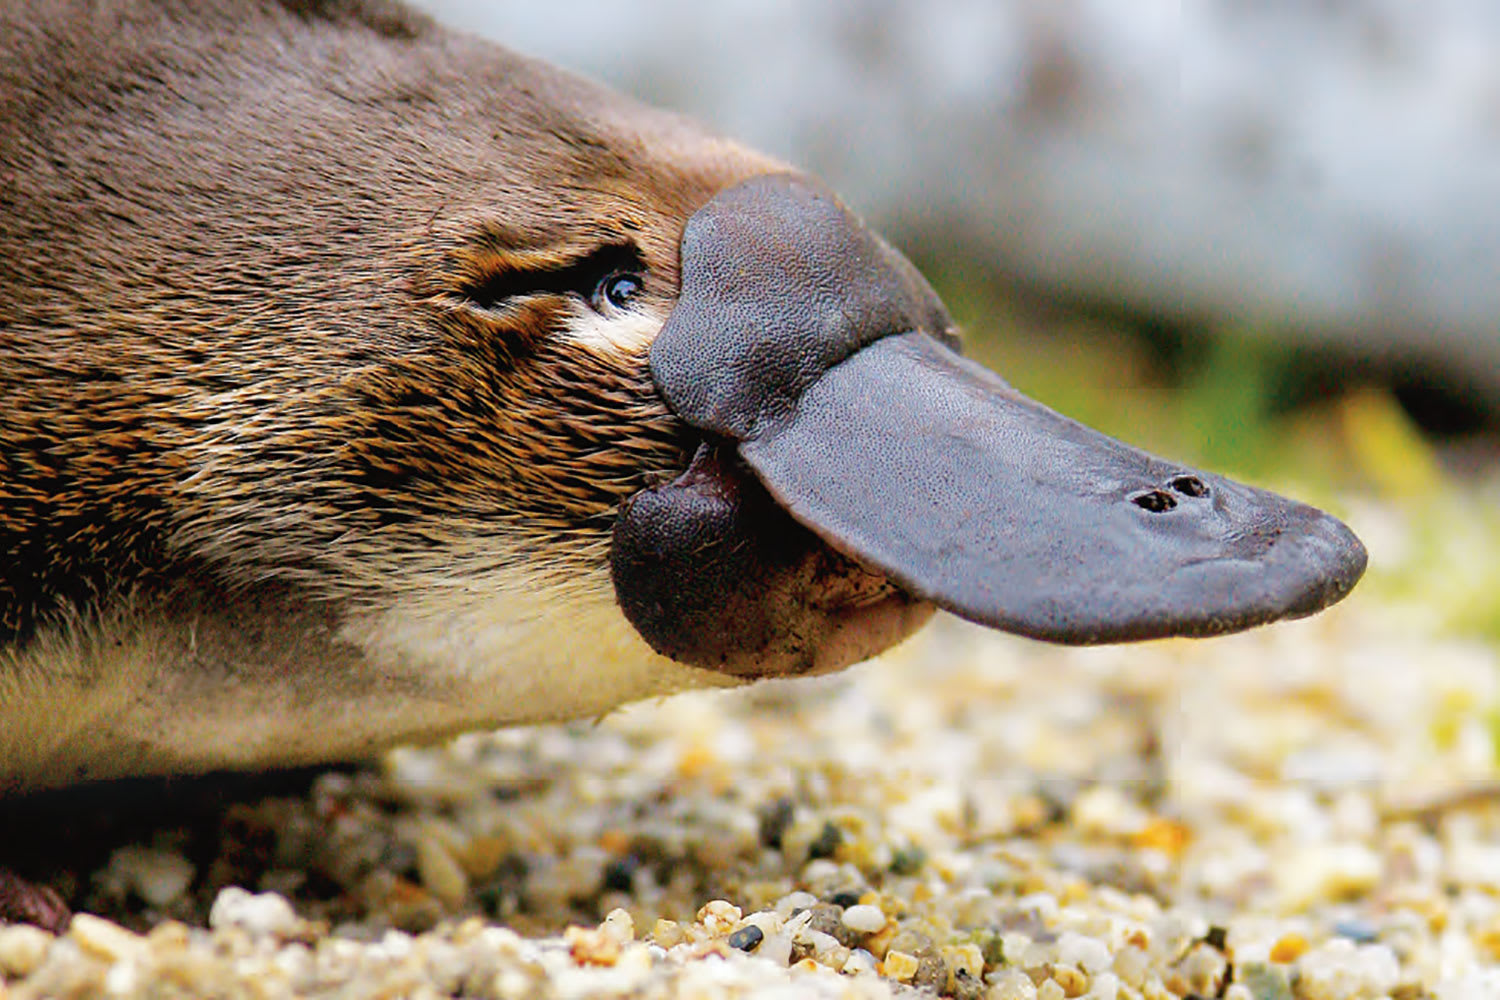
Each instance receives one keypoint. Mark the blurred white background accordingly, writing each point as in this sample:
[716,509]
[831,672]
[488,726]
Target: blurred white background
[1327,168]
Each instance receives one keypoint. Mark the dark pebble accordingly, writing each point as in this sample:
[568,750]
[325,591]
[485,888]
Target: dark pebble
[747,938]
[908,861]
[773,818]
[966,987]
[845,899]
[619,874]
[828,841]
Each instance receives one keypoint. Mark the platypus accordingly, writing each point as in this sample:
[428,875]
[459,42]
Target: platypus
[363,382]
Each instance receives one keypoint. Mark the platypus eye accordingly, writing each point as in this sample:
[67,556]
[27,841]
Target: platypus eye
[607,277]
[616,290]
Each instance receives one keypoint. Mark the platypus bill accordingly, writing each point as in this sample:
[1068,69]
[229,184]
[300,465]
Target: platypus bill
[362,382]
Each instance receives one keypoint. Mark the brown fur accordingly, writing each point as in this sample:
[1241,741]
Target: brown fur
[247,330]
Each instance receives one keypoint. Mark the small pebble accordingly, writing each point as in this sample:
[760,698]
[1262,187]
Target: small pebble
[158,877]
[1104,986]
[864,918]
[1201,971]
[900,966]
[1330,871]
[966,958]
[1288,948]
[263,914]
[22,948]
[747,938]
[1011,983]
[592,945]
[719,916]
[440,872]
[776,948]
[1266,982]
[619,925]
[1051,990]
[794,901]
[1357,931]
[1074,981]
[667,933]
[826,842]
[103,938]
[1089,954]
[859,961]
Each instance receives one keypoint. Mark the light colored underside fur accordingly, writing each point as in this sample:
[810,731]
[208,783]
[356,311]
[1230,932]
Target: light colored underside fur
[199,690]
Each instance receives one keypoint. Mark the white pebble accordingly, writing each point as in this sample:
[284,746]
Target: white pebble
[776,948]
[1010,983]
[1326,871]
[794,901]
[122,979]
[864,918]
[1089,954]
[1131,964]
[1051,990]
[158,877]
[719,916]
[619,926]
[1013,945]
[22,949]
[821,944]
[1340,969]
[257,914]
[102,938]
[1105,810]
[1105,986]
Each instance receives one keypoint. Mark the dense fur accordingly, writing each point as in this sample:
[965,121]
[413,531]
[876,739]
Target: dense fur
[238,246]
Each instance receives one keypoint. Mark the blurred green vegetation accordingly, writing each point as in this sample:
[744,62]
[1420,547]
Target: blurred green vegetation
[1241,402]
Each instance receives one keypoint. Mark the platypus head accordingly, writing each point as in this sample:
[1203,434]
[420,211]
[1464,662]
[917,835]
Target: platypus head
[315,316]
[824,377]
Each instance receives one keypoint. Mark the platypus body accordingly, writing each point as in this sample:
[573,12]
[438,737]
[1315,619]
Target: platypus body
[362,382]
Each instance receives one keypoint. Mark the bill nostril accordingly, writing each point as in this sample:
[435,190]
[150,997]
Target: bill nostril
[1190,486]
[1154,501]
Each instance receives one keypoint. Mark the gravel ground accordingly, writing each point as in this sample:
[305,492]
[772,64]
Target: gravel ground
[1307,811]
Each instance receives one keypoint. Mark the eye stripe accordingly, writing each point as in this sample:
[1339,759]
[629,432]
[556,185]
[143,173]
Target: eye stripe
[499,284]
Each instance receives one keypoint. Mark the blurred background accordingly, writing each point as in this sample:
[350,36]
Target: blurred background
[1261,235]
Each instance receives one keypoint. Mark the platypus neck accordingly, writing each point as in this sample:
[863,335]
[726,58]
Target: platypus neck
[200,683]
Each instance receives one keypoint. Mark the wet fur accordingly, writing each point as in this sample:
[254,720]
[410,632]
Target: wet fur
[264,421]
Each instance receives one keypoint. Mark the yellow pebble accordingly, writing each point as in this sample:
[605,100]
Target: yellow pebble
[103,939]
[1074,981]
[967,957]
[589,946]
[480,857]
[1165,835]
[667,933]
[899,965]
[1290,948]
